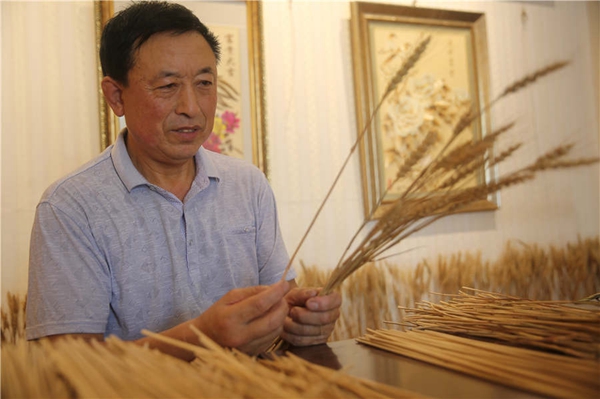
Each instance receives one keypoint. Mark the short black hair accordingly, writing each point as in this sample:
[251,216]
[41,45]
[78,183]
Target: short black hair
[125,33]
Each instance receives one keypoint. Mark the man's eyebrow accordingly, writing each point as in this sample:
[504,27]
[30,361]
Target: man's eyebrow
[168,74]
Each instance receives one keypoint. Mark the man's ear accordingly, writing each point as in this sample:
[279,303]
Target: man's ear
[113,92]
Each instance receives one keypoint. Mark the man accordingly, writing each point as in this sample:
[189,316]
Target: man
[157,232]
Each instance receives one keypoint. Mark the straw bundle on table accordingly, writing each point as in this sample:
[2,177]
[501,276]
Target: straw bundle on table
[545,373]
[72,368]
[559,326]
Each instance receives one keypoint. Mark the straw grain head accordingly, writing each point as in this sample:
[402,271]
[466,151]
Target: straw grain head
[445,185]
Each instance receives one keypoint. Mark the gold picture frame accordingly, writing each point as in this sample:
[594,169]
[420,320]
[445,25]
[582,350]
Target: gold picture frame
[253,103]
[452,73]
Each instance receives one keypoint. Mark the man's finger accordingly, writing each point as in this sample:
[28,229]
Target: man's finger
[324,303]
[257,305]
[239,294]
[305,316]
[269,323]
[305,340]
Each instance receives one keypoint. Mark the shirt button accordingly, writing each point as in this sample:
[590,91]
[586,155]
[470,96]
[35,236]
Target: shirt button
[190,242]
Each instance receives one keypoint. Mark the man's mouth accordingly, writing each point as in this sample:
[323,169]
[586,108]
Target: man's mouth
[187,129]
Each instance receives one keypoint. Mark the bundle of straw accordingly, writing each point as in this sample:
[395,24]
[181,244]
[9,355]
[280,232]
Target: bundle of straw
[528,270]
[447,177]
[73,368]
[545,373]
[445,174]
[559,326]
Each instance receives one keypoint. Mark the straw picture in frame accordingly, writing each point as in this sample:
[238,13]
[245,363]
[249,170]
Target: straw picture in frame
[240,124]
[450,77]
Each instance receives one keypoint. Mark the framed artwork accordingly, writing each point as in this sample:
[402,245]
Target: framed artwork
[450,77]
[240,126]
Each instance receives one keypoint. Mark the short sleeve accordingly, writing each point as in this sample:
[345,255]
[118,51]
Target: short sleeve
[69,281]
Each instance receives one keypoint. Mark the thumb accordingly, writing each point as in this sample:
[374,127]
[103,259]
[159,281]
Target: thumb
[299,296]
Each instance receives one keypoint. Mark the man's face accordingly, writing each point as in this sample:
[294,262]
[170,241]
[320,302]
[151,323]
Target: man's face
[170,101]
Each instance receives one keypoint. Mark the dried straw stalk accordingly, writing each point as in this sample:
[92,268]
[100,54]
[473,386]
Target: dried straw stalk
[544,373]
[558,326]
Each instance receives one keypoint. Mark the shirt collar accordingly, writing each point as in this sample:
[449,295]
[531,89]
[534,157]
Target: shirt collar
[205,163]
[131,177]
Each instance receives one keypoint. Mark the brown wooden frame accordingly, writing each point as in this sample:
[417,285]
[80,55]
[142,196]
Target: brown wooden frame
[366,96]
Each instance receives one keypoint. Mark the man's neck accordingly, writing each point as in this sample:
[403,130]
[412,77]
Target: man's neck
[175,178]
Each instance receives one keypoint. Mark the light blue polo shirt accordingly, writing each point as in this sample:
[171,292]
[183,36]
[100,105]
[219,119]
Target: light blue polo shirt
[111,253]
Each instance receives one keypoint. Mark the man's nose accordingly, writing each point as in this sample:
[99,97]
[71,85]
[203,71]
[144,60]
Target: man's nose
[187,102]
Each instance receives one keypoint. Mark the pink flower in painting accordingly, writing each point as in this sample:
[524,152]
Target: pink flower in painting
[231,121]
[213,143]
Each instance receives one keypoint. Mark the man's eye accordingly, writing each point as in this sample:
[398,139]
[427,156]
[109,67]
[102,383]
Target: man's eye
[205,83]
[168,86]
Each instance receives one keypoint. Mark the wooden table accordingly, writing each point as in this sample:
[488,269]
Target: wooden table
[377,365]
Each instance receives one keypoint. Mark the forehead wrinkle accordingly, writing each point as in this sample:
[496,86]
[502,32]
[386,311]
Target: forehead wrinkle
[207,69]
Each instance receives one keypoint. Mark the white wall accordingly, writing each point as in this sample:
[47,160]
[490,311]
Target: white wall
[50,125]
[49,113]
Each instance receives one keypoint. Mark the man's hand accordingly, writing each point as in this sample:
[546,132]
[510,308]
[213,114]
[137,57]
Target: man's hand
[311,317]
[248,319]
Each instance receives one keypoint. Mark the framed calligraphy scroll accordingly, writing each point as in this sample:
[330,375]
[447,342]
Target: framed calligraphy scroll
[450,77]
[240,126]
